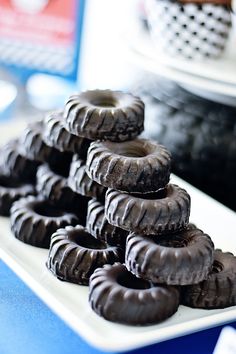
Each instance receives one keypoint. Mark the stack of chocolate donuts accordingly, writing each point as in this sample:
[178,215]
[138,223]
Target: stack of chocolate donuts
[81,183]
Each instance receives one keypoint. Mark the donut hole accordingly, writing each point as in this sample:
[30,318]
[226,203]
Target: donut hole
[173,241]
[45,209]
[130,281]
[160,194]
[217,267]
[132,151]
[61,167]
[61,170]
[104,102]
[9,182]
[86,240]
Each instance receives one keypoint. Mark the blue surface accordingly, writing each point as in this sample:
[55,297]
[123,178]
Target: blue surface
[27,326]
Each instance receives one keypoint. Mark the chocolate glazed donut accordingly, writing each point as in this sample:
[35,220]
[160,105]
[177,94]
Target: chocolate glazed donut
[12,189]
[33,146]
[219,289]
[100,228]
[118,296]
[74,254]
[81,183]
[55,135]
[184,257]
[152,213]
[15,164]
[140,165]
[104,114]
[52,183]
[34,220]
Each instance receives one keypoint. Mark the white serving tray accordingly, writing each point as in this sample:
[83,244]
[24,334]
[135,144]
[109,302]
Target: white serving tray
[70,301]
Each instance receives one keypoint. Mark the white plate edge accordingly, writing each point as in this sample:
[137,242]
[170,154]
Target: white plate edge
[98,341]
[181,77]
[141,41]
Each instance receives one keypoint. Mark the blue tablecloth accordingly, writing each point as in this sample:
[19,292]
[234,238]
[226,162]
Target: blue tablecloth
[28,326]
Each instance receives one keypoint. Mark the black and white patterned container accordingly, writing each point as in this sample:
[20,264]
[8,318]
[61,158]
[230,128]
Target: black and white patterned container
[193,31]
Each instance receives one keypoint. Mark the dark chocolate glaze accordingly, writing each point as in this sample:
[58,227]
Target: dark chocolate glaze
[15,164]
[104,114]
[74,254]
[53,185]
[153,213]
[100,228]
[12,189]
[119,296]
[55,135]
[180,258]
[34,220]
[81,183]
[139,165]
[33,146]
[219,289]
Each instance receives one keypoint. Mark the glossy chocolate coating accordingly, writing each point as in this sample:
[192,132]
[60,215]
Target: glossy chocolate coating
[74,254]
[219,289]
[104,114]
[139,165]
[180,258]
[12,189]
[15,164]
[100,228]
[52,184]
[152,213]
[55,135]
[119,296]
[34,220]
[81,183]
[33,146]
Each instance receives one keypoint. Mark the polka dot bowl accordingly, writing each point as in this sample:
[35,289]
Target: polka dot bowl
[192,31]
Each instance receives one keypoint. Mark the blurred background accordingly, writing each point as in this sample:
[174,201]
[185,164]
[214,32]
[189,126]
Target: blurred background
[181,62]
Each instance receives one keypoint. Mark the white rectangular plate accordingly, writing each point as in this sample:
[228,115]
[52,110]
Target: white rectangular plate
[70,301]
